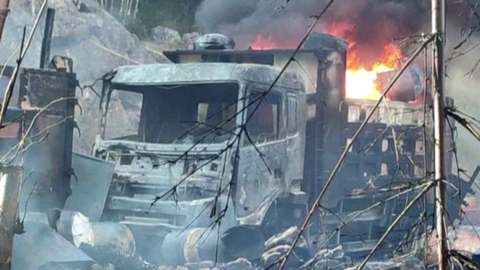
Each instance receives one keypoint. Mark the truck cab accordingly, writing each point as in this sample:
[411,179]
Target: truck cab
[197,133]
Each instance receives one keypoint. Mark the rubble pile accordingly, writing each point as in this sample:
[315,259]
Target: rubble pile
[277,246]
[240,264]
[109,259]
[329,259]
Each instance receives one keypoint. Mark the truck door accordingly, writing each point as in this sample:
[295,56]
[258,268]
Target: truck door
[263,154]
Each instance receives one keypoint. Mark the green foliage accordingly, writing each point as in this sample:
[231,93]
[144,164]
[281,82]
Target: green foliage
[175,14]
[136,27]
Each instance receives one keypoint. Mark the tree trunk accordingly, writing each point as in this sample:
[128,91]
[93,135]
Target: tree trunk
[129,7]
[122,3]
[136,10]
[4,4]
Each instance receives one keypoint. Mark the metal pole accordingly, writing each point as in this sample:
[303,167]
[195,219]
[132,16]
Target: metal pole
[47,38]
[10,184]
[438,29]
[4,4]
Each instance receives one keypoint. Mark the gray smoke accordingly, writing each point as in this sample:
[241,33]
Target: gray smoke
[376,22]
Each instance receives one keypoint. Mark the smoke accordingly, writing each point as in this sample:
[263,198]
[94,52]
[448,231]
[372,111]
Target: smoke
[376,22]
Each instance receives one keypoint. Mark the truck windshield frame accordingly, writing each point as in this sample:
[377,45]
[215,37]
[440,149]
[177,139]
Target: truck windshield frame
[203,113]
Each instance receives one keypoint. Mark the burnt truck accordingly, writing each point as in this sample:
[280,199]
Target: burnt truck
[211,155]
[212,134]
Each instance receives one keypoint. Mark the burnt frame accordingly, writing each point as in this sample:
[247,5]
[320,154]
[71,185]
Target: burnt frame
[53,85]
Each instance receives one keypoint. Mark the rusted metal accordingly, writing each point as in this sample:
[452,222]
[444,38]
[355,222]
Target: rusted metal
[47,38]
[10,185]
[52,93]
[4,4]
[329,99]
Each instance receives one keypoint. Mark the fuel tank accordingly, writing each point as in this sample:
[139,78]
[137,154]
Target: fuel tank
[202,244]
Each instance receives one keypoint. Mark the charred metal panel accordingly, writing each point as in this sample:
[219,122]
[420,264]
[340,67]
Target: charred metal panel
[89,186]
[262,57]
[408,88]
[327,126]
[305,64]
[390,150]
[255,182]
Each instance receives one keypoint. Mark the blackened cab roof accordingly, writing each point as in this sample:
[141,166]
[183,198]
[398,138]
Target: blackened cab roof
[170,74]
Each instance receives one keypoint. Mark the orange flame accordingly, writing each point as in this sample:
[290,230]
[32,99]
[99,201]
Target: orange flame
[261,43]
[360,79]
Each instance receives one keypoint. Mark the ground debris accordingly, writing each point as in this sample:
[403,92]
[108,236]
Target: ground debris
[334,258]
[239,264]
[102,267]
[401,263]
[106,256]
[278,245]
[286,238]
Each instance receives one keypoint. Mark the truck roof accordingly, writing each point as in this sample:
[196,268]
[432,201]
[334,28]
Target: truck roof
[168,74]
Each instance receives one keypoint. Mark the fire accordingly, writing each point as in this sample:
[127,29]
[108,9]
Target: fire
[262,43]
[360,78]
